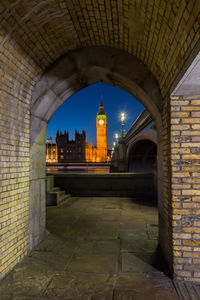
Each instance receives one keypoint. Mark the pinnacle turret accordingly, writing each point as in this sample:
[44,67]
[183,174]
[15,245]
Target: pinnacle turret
[101,108]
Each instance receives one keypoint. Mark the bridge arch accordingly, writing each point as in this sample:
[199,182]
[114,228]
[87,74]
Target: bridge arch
[76,70]
[146,134]
[142,155]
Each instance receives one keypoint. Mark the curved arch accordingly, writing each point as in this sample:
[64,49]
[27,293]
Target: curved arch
[83,67]
[145,136]
[142,156]
[70,74]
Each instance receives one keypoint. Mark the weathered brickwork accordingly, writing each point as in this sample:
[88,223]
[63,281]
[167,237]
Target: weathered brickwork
[33,35]
[14,176]
[185,164]
[14,157]
[160,33]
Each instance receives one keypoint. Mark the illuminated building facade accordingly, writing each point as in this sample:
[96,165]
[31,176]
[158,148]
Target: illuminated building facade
[90,153]
[78,150]
[99,153]
[51,151]
[101,126]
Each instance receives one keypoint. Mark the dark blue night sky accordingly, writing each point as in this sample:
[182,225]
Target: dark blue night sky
[80,110]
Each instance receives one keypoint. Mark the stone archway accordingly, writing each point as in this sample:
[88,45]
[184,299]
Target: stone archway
[73,72]
[35,34]
[142,156]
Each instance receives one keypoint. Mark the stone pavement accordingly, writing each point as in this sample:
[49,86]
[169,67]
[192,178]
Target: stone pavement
[97,248]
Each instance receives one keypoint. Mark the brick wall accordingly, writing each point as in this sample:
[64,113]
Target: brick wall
[34,34]
[165,208]
[185,164]
[161,34]
[15,94]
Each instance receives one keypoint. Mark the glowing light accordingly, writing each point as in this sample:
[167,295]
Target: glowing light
[122,116]
[116,135]
[114,143]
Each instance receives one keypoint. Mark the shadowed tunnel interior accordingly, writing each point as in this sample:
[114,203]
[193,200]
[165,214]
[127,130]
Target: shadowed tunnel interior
[143,157]
[51,49]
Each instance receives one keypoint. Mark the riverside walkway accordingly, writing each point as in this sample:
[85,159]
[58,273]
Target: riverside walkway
[96,248]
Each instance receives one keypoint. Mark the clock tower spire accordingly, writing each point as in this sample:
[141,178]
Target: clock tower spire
[101,126]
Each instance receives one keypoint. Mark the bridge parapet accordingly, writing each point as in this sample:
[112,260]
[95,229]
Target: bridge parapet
[142,129]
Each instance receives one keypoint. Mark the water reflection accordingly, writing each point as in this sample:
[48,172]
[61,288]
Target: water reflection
[78,169]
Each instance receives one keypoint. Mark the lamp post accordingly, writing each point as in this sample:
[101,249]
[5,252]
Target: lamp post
[117,137]
[112,151]
[122,120]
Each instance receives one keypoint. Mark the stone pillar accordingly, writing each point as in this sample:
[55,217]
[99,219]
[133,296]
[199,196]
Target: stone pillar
[119,158]
[37,182]
[185,186]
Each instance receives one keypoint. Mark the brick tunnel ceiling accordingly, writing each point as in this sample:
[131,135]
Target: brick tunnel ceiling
[161,33]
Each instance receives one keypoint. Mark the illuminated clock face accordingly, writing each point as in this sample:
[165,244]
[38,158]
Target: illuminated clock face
[101,122]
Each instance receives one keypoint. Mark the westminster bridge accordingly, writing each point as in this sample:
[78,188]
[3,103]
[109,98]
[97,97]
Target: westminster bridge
[137,151]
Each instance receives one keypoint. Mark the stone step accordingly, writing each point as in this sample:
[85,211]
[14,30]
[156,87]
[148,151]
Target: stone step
[60,195]
[54,196]
[50,182]
[54,190]
[63,200]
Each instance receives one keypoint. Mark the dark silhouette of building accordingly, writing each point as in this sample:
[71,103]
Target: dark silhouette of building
[71,150]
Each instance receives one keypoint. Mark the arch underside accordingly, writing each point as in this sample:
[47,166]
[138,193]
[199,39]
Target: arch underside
[145,134]
[43,31]
[162,39]
[81,68]
[73,72]
[142,157]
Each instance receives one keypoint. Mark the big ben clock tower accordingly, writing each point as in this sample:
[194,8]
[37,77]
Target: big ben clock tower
[101,125]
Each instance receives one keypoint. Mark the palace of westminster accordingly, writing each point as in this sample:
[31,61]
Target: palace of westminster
[78,150]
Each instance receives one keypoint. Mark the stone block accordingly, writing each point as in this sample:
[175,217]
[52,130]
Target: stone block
[37,211]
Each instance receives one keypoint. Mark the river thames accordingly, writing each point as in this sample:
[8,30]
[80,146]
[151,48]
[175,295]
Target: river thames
[78,169]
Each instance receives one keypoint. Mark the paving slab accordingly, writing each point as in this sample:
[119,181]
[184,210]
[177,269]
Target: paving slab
[29,278]
[107,246]
[132,263]
[141,246]
[79,286]
[144,287]
[103,263]
[97,248]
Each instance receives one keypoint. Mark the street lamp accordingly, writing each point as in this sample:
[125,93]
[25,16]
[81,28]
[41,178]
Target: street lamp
[122,120]
[112,151]
[117,137]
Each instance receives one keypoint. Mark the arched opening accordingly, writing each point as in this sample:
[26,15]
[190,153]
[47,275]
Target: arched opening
[143,157]
[80,114]
[104,217]
[72,73]
[60,27]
